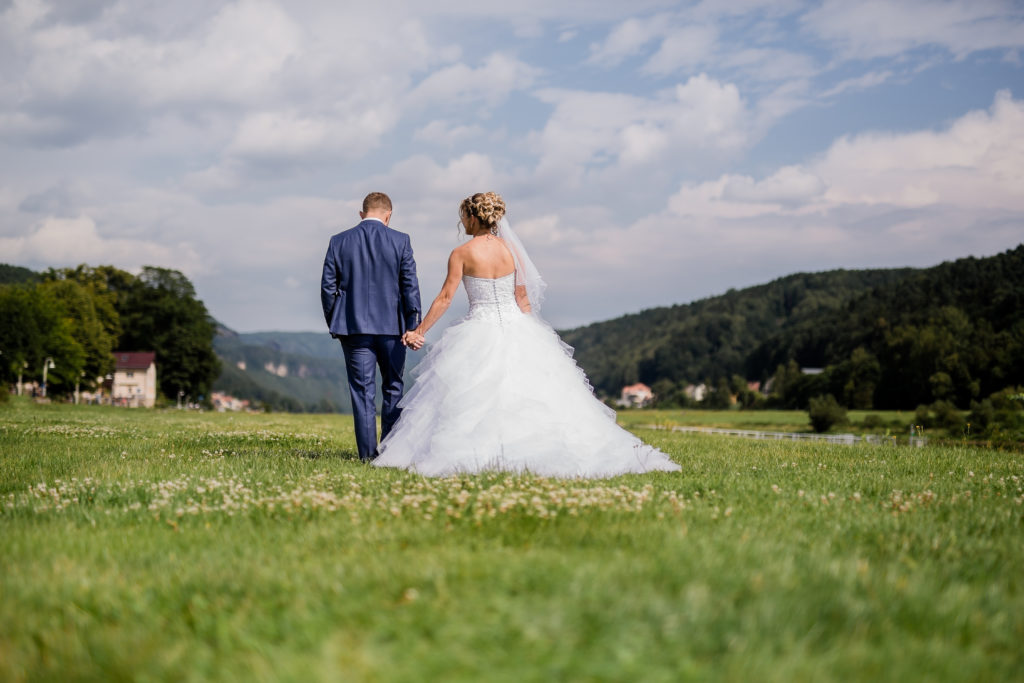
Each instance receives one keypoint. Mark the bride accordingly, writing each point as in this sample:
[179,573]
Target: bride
[500,391]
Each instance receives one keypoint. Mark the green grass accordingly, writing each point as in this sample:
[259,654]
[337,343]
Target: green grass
[176,546]
[766,420]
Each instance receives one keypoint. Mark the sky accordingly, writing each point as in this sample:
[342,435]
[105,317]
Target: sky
[650,153]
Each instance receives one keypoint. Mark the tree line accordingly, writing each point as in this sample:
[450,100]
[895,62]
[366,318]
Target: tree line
[79,316]
[894,338]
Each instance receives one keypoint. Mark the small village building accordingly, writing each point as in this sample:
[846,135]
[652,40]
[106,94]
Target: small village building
[134,382]
[636,396]
[696,392]
[223,402]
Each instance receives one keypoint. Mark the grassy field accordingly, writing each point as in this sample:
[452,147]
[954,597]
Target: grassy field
[895,421]
[179,546]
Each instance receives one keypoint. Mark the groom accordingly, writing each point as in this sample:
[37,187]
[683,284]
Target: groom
[371,299]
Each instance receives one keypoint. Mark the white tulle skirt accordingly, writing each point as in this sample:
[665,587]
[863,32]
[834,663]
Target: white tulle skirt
[509,397]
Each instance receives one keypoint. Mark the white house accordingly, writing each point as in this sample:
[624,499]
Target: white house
[696,392]
[134,383]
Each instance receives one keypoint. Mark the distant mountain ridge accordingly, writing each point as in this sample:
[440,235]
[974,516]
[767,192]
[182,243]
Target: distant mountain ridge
[289,371]
[309,344]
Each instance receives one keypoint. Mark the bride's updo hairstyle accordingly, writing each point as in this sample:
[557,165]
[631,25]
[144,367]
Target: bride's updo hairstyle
[486,207]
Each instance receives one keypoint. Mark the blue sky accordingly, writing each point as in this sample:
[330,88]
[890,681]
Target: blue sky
[651,153]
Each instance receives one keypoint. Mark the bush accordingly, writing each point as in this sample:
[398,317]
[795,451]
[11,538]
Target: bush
[948,416]
[940,414]
[922,418]
[825,412]
[999,417]
[872,421]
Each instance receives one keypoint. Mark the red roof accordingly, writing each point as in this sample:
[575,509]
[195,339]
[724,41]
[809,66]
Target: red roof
[134,360]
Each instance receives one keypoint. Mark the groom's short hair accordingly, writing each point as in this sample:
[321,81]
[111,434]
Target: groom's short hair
[376,200]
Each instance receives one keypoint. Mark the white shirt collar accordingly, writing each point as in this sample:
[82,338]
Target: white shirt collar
[371,218]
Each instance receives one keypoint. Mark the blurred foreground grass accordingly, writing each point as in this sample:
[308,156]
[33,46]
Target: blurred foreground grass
[141,545]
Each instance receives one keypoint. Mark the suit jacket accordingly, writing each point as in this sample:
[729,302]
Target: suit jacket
[369,282]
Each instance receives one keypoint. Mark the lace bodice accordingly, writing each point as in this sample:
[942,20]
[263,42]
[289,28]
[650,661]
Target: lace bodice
[492,298]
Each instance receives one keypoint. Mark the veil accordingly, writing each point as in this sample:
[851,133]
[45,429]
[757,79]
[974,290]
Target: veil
[526,273]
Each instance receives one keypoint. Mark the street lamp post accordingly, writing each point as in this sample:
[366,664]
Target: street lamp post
[47,365]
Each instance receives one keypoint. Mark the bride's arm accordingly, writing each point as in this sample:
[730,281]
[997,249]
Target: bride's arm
[444,299]
[522,299]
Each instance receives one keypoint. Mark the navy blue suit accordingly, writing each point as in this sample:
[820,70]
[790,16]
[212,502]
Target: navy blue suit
[370,297]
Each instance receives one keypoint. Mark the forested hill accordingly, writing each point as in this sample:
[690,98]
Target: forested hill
[712,338]
[10,275]
[953,331]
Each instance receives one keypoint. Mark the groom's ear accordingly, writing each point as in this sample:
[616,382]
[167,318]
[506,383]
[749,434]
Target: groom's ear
[362,215]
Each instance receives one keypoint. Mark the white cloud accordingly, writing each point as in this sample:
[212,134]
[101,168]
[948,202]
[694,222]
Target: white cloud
[422,178]
[64,84]
[490,83]
[978,161]
[238,56]
[769,65]
[627,39]
[447,134]
[862,82]
[290,134]
[71,241]
[788,185]
[548,231]
[877,28]
[684,48]
[588,128]
[975,163]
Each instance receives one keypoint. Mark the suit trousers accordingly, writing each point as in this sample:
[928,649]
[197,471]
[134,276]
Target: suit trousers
[364,353]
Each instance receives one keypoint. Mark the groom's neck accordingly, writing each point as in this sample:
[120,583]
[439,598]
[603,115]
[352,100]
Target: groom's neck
[382,216]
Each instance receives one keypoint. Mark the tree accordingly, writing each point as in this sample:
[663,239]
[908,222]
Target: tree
[745,396]
[825,412]
[720,397]
[78,308]
[105,284]
[159,311]
[855,379]
[665,391]
[33,327]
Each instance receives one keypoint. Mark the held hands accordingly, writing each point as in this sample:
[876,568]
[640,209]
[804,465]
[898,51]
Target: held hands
[414,340]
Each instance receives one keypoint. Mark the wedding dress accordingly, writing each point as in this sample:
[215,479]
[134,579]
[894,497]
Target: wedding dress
[500,392]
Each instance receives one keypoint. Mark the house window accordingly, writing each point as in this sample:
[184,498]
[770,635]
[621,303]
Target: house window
[131,374]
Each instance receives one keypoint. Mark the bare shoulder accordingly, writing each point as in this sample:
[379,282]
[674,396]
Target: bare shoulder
[459,252]
[459,255]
